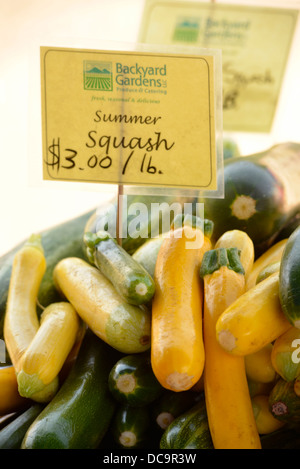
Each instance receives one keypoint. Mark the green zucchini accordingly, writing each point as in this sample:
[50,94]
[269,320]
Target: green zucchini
[284,402]
[131,426]
[147,254]
[289,227]
[60,241]
[285,438]
[188,431]
[132,380]
[108,442]
[129,278]
[11,436]
[139,221]
[262,191]
[289,279]
[6,419]
[80,413]
[172,404]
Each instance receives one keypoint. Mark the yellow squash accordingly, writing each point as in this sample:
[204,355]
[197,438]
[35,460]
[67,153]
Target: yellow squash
[243,243]
[47,352]
[71,358]
[177,351]
[266,423]
[268,270]
[259,366]
[21,321]
[228,402]
[272,255]
[123,326]
[10,399]
[254,320]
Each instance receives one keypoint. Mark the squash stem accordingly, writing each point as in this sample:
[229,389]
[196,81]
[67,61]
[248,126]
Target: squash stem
[243,207]
[127,439]
[205,225]
[221,257]
[35,241]
[279,409]
[31,386]
[126,383]
[227,340]
[178,381]
[164,419]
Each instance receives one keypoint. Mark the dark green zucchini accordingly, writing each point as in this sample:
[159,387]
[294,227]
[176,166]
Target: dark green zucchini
[129,278]
[188,431]
[11,436]
[80,413]
[289,279]
[262,191]
[130,426]
[285,438]
[60,241]
[172,404]
[108,442]
[292,223]
[284,402]
[132,380]
[6,419]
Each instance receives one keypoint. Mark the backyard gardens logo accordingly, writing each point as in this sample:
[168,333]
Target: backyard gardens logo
[186,30]
[106,76]
[97,75]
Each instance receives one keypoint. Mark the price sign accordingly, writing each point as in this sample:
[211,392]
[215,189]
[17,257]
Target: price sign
[135,118]
[255,43]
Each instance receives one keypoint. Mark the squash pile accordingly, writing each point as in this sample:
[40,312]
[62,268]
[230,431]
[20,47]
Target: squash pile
[188,341]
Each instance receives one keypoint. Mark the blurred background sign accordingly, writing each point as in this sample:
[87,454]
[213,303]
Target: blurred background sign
[255,43]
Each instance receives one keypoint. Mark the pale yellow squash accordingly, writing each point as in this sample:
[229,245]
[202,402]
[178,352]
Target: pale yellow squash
[254,320]
[230,414]
[21,321]
[47,352]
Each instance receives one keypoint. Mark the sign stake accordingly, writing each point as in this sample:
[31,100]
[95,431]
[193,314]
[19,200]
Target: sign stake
[119,214]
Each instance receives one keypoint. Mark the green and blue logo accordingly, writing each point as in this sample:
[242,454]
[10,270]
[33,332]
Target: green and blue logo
[186,30]
[97,75]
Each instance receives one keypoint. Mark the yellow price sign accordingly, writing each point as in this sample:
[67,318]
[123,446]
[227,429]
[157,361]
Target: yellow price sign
[255,43]
[135,118]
